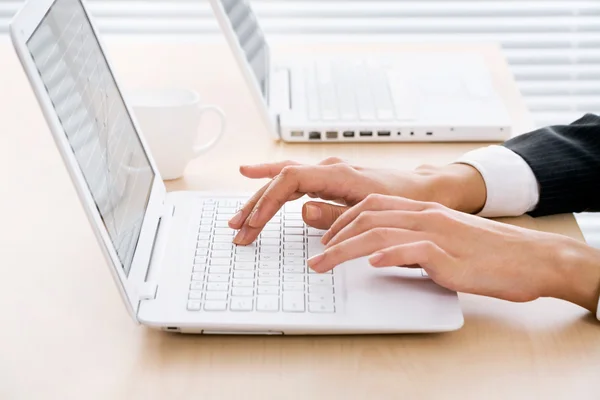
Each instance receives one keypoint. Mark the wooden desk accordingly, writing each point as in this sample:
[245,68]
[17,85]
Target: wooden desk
[65,334]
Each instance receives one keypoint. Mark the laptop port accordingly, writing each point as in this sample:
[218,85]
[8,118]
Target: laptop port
[297,134]
[384,133]
[314,136]
[412,134]
[399,133]
[331,135]
[366,133]
[348,134]
[429,133]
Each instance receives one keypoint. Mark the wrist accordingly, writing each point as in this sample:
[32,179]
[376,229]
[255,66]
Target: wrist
[457,186]
[578,274]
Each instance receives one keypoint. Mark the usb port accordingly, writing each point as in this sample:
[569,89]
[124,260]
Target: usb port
[314,135]
[297,134]
[429,133]
[348,134]
[331,135]
[384,133]
[366,133]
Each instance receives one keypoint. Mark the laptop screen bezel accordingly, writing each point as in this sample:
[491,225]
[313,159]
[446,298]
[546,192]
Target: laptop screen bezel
[22,27]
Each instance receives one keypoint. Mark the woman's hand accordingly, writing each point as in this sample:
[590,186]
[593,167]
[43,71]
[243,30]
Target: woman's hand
[457,186]
[463,252]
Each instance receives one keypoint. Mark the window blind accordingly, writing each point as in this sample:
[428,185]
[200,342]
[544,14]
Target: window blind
[553,47]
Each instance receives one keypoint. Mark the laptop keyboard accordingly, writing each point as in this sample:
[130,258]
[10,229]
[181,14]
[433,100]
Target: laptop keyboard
[271,275]
[355,91]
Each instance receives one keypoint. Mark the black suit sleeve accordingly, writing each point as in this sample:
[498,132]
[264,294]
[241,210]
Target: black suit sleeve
[566,162]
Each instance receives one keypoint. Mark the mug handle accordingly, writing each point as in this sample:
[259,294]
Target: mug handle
[198,150]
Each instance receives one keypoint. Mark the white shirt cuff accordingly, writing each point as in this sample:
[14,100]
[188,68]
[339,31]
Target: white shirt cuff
[512,188]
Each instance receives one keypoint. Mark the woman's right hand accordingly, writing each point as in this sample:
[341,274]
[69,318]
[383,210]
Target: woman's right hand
[457,186]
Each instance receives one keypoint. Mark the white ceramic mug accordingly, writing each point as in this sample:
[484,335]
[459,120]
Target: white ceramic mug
[169,120]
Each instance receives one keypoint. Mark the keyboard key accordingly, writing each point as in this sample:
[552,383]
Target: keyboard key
[291,217]
[293,231]
[203,244]
[267,303]
[205,229]
[270,250]
[221,254]
[321,289]
[245,257]
[198,276]
[226,210]
[294,261]
[223,246]
[293,224]
[227,204]
[196,285]
[294,269]
[194,305]
[201,252]
[293,278]
[320,280]
[269,265]
[270,234]
[293,302]
[206,221]
[244,266]
[242,291]
[218,278]
[294,253]
[195,295]
[219,270]
[270,242]
[268,273]
[294,246]
[227,232]
[199,268]
[269,290]
[200,260]
[293,287]
[220,261]
[217,287]
[241,304]
[292,238]
[269,257]
[268,282]
[203,236]
[245,250]
[216,296]
[243,275]
[215,305]
[321,308]
[321,298]
[316,232]
[221,224]
[224,217]
[222,239]
[272,227]
[243,283]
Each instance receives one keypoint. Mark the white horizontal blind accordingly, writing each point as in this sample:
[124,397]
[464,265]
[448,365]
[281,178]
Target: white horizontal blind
[552,46]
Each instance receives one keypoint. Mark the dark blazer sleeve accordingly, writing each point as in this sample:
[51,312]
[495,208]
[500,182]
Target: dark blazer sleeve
[566,162]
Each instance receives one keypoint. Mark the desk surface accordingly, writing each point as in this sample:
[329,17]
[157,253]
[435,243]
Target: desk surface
[65,333]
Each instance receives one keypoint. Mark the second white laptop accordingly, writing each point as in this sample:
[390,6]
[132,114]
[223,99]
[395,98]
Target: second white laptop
[416,97]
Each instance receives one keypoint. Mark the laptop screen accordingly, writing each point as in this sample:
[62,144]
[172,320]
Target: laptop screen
[251,39]
[95,121]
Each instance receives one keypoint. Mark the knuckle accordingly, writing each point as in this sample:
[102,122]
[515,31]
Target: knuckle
[289,171]
[364,219]
[332,160]
[380,234]
[342,168]
[373,199]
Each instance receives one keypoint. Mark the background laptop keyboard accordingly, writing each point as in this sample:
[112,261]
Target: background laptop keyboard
[271,275]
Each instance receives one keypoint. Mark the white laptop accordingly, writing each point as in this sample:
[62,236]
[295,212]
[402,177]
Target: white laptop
[416,97]
[171,254]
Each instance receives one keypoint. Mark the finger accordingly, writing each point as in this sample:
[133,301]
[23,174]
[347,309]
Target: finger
[373,202]
[268,170]
[408,220]
[240,217]
[248,234]
[426,254]
[321,215]
[302,179]
[332,161]
[359,246]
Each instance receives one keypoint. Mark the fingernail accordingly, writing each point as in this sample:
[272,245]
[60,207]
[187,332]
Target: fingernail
[375,258]
[314,261]
[239,238]
[254,219]
[313,213]
[237,218]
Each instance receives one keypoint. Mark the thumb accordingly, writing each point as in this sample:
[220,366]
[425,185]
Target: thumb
[321,215]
